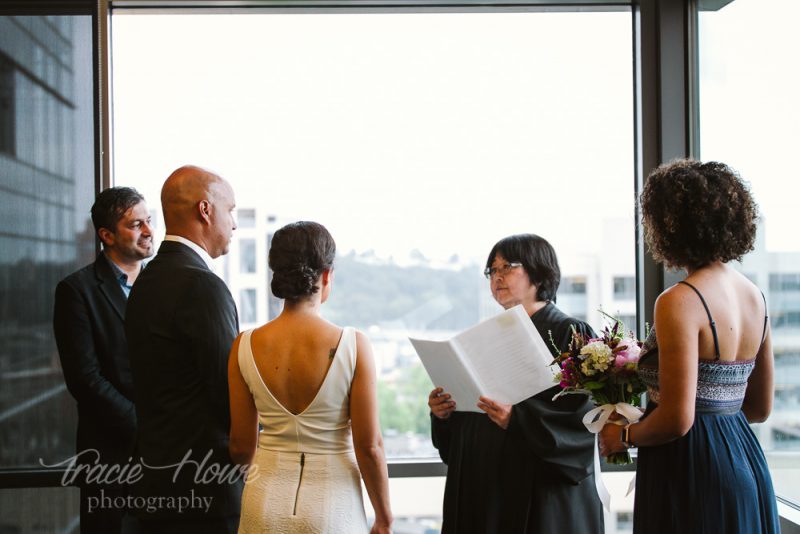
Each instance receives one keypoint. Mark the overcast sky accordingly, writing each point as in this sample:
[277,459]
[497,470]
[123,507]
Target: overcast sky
[440,132]
[750,112]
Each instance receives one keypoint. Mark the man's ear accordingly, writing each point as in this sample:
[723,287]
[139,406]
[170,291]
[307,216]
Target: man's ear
[204,210]
[106,237]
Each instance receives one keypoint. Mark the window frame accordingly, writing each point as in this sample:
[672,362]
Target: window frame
[31,477]
[664,101]
[664,62]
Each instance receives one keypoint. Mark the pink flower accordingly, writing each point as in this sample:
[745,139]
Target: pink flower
[566,377]
[627,351]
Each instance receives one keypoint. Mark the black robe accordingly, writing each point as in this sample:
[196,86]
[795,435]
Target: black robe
[535,477]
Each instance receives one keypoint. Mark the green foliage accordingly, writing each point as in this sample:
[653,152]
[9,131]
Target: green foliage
[367,294]
[403,404]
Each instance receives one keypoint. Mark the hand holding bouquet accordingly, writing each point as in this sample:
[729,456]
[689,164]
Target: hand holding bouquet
[605,369]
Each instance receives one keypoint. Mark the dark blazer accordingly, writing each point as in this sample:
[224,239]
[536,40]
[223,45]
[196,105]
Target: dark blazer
[88,322]
[181,323]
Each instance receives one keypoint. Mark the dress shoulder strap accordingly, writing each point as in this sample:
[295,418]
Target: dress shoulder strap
[349,352]
[766,319]
[710,319]
[246,359]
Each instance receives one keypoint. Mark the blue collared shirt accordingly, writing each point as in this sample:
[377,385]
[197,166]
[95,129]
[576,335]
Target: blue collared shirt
[121,277]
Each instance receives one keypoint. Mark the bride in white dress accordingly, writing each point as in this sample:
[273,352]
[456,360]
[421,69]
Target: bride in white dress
[311,387]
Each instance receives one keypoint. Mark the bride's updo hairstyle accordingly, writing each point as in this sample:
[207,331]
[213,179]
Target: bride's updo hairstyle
[299,253]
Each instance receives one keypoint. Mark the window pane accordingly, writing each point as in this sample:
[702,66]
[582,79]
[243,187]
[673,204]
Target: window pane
[246,218]
[416,504]
[39,510]
[47,184]
[247,255]
[7,133]
[417,158]
[573,285]
[624,287]
[749,114]
[247,306]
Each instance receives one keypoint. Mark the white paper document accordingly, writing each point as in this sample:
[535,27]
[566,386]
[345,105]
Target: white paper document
[503,358]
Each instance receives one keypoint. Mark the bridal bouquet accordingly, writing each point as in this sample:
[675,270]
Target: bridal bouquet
[605,369]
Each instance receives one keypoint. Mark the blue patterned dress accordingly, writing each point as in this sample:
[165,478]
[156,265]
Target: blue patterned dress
[715,478]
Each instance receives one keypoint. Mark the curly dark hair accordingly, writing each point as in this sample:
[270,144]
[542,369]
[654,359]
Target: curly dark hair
[697,213]
[298,255]
[538,258]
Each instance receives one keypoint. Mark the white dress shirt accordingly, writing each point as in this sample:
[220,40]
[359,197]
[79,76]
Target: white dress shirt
[194,246]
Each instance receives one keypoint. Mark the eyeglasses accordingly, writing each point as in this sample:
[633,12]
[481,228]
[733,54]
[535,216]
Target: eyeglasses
[503,270]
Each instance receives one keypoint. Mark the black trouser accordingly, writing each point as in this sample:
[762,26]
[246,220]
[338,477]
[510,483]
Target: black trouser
[211,525]
[102,508]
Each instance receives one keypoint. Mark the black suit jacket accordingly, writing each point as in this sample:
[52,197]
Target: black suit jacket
[88,321]
[181,323]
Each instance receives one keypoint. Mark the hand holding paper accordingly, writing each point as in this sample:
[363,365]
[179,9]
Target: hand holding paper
[441,403]
[498,413]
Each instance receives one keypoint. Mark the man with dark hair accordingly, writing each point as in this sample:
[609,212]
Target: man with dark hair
[89,327]
[180,326]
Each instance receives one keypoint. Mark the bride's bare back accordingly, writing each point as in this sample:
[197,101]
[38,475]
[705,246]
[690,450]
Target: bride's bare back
[293,354]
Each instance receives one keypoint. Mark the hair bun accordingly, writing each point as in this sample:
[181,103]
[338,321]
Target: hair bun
[295,282]
[299,254]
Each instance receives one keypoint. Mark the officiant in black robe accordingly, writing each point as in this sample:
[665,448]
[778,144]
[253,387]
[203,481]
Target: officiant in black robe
[526,468]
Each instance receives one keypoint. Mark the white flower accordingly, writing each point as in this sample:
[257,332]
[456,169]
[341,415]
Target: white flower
[596,349]
[597,356]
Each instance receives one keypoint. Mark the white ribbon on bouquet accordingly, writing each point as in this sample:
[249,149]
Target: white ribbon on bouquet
[594,421]
[596,418]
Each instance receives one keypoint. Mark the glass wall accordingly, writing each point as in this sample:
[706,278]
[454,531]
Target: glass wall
[47,185]
[35,510]
[749,114]
[417,158]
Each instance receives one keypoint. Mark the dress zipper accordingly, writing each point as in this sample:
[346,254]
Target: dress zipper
[299,481]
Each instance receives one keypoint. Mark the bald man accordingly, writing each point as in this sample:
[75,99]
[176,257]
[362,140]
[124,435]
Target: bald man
[180,324]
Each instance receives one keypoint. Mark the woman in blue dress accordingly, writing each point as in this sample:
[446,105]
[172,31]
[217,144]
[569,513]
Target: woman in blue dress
[709,367]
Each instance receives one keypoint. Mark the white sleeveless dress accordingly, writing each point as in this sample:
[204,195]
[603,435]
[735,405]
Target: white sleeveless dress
[307,478]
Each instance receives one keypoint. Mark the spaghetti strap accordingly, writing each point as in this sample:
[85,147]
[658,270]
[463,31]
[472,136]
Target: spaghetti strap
[710,319]
[766,318]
